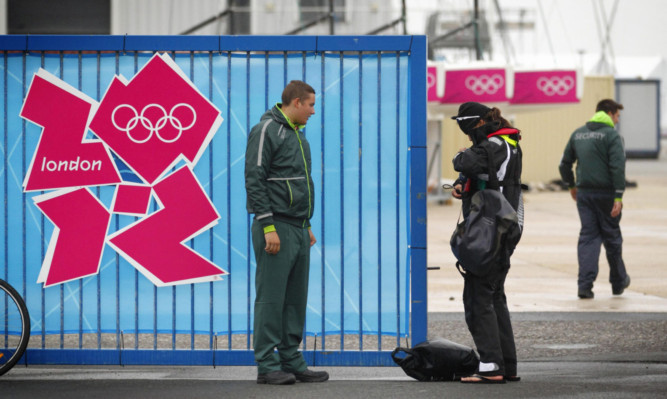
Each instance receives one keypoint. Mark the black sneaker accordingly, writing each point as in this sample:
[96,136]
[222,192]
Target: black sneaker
[586,293]
[312,376]
[619,290]
[276,378]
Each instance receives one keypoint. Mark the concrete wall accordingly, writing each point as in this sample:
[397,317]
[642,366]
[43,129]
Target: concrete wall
[545,130]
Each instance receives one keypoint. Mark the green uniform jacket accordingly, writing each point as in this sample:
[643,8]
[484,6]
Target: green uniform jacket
[277,172]
[598,150]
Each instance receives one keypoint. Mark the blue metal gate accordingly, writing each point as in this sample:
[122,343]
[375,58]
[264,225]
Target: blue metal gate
[368,270]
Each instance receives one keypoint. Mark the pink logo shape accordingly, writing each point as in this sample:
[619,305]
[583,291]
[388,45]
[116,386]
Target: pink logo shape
[63,157]
[131,199]
[156,245]
[81,223]
[156,119]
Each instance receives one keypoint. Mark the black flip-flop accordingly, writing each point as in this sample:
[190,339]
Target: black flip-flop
[480,379]
[512,378]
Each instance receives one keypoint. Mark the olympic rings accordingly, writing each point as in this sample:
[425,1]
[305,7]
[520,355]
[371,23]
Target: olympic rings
[484,84]
[148,124]
[430,79]
[555,85]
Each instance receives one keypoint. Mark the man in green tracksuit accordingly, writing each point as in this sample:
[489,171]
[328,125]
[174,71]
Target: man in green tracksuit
[597,148]
[279,191]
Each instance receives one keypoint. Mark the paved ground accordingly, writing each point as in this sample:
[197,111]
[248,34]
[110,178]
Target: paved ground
[566,379]
[609,347]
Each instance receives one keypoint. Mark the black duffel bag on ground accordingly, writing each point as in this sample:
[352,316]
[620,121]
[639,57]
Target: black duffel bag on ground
[437,360]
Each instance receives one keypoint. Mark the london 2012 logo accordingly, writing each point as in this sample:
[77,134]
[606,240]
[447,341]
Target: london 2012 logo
[154,122]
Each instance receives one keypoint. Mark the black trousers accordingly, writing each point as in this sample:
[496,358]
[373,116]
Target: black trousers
[598,228]
[488,320]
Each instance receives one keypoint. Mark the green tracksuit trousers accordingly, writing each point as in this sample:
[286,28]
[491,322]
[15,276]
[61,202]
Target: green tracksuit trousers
[281,285]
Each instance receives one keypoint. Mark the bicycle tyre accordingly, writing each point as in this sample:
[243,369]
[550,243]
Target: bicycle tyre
[13,316]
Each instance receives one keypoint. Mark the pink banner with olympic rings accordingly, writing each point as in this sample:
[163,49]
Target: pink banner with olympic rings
[481,85]
[542,87]
[432,80]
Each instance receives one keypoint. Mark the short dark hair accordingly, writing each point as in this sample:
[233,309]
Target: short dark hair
[609,106]
[296,89]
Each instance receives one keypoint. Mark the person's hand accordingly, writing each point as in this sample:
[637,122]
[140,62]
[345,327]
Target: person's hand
[573,193]
[312,237]
[458,191]
[272,242]
[616,210]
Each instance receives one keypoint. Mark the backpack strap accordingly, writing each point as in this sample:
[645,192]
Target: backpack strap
[493,173]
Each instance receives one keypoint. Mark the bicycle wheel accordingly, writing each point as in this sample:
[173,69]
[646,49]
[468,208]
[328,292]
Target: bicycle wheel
[14,327]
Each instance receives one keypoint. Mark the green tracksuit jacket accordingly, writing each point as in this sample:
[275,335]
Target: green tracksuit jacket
[277,172]
[598,150]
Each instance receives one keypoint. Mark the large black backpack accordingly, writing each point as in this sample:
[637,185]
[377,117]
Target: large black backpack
[491,226]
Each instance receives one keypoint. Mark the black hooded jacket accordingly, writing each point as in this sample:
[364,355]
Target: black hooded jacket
[503,144]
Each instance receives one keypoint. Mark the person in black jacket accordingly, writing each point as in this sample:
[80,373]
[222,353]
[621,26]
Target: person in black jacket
[486,312]
[597,148]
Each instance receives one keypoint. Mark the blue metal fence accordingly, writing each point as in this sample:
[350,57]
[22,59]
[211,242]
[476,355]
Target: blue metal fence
[368,269]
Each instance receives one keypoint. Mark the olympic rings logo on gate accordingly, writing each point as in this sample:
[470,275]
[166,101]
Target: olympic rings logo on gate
[555,85]
[485,84]
[148,124]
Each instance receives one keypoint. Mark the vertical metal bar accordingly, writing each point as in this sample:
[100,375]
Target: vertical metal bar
[43,297]
[379,196]
[80,87]
[5,183]
[322,185]
[97,277]
[173,317]
[342,204]
[478,45]
[230,19]
[154,316]
[229,199]
[303,78]
[210,193]
[360,224]
[398,196]
[266,80]
[192,241]
[417,178]
[284,68]
[117,255]
[136,271]
[62,286]
[404,17]
[249,289]
[332,18]
[303,74]
[24,169]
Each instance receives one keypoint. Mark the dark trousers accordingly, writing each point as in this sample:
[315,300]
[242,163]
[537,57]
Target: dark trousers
[281,284]
[488,320]
[597,228]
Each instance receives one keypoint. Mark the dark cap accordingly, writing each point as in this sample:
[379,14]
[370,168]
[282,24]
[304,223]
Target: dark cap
[471,109]
[469,115]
